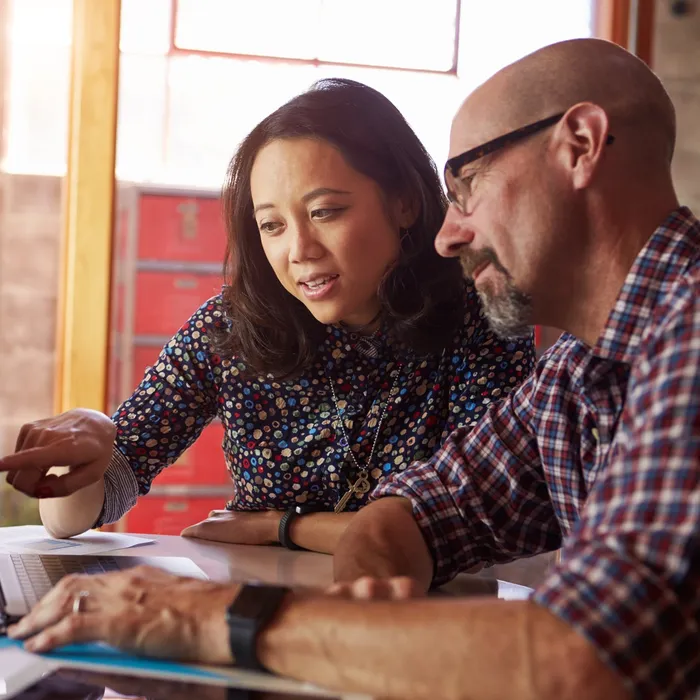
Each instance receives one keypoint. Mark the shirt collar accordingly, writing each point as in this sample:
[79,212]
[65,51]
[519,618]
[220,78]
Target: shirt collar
[672,247]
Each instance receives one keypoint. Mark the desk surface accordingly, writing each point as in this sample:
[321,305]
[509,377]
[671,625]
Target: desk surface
[234,562]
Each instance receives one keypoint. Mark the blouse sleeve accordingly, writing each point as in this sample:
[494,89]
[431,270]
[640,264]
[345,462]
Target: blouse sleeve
[485,367]
[176,399]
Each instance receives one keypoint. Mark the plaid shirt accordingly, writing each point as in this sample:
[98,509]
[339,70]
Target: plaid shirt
[599,450]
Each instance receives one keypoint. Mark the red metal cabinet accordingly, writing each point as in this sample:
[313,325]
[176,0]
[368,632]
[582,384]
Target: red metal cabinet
[169,515]
[168,255]
[171,297]
[182,227]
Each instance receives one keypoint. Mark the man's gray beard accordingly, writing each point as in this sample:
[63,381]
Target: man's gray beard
[509,313]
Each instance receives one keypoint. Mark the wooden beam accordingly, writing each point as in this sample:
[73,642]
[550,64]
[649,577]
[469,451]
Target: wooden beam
[629,23]
[612,19]
[644,44]
[83,319]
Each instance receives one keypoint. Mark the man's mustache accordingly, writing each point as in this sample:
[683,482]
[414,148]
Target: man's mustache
[472,259]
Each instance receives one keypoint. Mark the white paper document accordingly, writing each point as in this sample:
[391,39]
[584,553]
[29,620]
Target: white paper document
[37,541]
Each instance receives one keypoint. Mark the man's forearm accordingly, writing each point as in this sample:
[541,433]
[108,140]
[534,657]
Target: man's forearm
[478,648]
[383,540]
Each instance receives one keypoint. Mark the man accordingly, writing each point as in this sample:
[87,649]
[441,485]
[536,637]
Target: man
[568,218]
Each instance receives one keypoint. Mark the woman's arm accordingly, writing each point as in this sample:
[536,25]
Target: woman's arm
[89,469]
[318,532]
[72,495]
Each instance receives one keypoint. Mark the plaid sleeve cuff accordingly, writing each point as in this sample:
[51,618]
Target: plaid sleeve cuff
[634,619]
[121,489]
[437,516]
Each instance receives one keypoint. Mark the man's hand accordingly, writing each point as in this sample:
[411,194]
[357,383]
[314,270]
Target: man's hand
[143,610]
[81,439]
[383,541]
[238,527]
[368,588]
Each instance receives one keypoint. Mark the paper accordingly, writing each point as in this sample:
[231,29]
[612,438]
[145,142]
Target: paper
[92,542]
[19,669]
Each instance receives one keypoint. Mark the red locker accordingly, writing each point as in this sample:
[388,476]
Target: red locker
[172,299]
[168,253]
[170,515]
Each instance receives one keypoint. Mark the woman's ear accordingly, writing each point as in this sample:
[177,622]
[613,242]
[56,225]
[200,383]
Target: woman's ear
[405,212]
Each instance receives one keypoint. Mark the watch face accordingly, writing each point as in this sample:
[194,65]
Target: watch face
[303,510]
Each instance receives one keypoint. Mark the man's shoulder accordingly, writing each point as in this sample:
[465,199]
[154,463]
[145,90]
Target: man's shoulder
[560,356]
[677,310]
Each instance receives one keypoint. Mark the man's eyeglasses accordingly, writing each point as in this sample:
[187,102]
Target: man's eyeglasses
[459,188]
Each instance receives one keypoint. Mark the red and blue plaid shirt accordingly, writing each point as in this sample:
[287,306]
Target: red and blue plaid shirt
[597,452]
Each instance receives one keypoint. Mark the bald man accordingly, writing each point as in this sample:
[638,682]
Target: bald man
[563,213]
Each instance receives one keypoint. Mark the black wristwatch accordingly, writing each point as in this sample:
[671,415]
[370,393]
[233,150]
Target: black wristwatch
[286,522]
[254,607]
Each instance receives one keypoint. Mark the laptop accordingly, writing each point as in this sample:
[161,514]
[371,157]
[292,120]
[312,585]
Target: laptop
[26,578]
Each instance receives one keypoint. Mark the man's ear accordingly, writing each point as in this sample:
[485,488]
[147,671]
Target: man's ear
[583,135]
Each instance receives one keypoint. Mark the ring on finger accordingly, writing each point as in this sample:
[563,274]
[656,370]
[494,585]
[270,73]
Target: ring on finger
[78,601]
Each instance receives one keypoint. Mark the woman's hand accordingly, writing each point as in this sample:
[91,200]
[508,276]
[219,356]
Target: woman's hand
[80,439]
[238,527]
[143,610]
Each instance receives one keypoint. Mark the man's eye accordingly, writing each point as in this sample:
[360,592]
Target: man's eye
[467,182]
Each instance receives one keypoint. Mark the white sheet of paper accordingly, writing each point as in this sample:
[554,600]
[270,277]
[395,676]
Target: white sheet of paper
[91,542]
[20,669]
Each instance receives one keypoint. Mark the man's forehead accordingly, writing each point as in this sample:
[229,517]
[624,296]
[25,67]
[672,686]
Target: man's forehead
[477,121]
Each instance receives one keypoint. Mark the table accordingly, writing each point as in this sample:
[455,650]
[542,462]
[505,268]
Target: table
[270,564]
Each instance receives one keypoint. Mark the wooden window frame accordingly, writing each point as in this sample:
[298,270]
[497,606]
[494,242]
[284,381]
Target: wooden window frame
[174,50]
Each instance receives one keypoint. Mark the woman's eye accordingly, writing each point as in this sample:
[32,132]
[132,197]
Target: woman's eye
[324,213]
[268,227]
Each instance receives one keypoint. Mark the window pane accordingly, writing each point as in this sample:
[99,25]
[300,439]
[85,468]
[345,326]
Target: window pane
[145,26]
[42,22]
[214,103]
[277,28]
[390,33]
[141,118]
[37,112]
[496,33]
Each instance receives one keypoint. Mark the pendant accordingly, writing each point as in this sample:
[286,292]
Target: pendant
[360,487]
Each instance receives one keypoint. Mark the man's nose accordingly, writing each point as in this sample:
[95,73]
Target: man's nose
[454,234]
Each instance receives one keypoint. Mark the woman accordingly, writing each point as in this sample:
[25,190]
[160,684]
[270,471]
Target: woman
[342,348]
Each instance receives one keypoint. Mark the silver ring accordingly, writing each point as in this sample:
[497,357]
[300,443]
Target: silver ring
[78,601]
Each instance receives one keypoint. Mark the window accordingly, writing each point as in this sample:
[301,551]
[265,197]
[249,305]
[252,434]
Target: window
[192,85]
[389,33]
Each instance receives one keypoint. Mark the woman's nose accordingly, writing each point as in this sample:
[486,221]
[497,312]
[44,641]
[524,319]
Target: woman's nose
[304,244]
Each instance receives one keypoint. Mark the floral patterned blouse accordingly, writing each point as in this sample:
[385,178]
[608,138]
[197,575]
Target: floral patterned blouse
[283,442]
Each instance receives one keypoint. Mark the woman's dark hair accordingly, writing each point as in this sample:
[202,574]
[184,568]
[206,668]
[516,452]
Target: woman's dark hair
[421,296]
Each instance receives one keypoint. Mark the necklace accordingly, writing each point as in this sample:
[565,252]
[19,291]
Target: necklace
[361,485]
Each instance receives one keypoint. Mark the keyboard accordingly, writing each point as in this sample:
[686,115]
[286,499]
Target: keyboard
[39,573]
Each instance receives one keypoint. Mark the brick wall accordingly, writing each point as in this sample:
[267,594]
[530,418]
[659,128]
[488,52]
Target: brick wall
[30,225]
[677,62]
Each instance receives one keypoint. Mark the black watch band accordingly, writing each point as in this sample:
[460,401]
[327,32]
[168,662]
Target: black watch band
[252,609]
[286,522]
[283,532]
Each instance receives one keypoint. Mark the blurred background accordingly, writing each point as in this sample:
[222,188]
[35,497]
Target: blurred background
[194,77]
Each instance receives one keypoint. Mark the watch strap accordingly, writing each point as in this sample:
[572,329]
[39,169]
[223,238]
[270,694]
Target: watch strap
[252,609]
[283,533]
